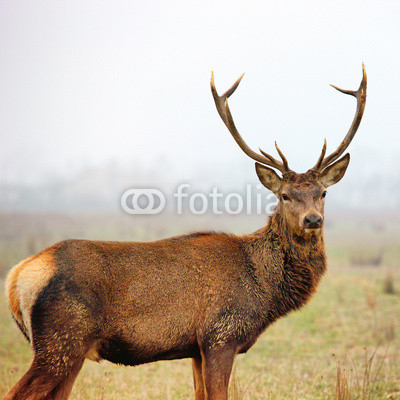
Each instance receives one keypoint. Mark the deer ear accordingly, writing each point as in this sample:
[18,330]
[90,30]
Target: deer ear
[269,178]
[334,173]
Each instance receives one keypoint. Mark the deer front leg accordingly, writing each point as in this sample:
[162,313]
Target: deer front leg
[216,367]
[198,379]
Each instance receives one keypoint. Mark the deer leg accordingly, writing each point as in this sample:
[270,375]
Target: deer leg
[63,389]
[198,379]
[57,361]
[39,384]
[217,366]
[36,384]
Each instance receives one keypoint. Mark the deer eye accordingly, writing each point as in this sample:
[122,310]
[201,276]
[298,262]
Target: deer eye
[324,194]
[285,197]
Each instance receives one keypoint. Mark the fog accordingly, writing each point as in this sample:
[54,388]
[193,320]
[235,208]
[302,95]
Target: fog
[93,87]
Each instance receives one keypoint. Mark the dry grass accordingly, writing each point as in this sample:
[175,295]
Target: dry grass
[360,383]
[388,283]
[342,383]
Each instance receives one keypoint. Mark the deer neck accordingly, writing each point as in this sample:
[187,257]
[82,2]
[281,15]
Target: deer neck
[295,248]
[288,267]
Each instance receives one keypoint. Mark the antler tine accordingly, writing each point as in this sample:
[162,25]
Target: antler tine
[321,157]
[361,96]
[272,159]
[284,160]
[221,102]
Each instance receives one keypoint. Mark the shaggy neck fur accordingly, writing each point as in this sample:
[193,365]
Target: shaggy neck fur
[288,267]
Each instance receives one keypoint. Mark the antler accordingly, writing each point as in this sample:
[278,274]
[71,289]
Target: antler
[361,96]
[221,102]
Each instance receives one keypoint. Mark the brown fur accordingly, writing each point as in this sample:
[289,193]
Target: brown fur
[206,296]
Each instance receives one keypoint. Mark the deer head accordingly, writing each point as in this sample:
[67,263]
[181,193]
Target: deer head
[301,196]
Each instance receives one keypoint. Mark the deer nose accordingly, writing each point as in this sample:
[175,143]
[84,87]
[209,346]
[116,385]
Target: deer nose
[312,221]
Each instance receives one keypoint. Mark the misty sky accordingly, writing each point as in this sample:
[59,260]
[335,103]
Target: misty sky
[85,82]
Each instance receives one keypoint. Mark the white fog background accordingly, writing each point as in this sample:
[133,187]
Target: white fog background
[98,97]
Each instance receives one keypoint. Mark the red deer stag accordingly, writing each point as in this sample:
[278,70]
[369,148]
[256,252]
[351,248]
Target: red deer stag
[205,296]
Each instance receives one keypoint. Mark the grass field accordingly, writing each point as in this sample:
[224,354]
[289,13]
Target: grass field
[344,345]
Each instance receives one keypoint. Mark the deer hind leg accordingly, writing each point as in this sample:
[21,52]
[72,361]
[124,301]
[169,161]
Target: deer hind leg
[53,371]
[34,385]
[63,329]
[40,384]
[216,370]
[63,389]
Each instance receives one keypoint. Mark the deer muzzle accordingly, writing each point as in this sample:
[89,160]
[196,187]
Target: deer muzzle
[312,221]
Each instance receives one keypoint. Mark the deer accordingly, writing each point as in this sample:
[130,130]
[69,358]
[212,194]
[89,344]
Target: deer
[206,296]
